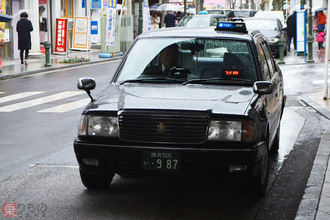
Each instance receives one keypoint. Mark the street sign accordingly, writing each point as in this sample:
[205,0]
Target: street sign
[301,31]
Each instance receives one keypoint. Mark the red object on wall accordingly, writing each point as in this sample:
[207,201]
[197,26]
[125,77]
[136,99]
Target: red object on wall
[42,1]
[61,34]
[42,50]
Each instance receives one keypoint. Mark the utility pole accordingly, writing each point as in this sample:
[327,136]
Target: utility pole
[140,17]
[310,37]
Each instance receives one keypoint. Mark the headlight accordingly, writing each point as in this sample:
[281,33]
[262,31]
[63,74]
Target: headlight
[98,126]
[232,131]
[272,39]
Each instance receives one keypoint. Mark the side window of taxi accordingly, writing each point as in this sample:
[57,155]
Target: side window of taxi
[269,58]
[263,62]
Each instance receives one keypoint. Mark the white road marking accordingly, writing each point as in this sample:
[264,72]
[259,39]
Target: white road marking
[18,96]
[39,101]
[321,81]
[67,107]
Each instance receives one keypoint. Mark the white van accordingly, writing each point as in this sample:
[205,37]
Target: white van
[272,14]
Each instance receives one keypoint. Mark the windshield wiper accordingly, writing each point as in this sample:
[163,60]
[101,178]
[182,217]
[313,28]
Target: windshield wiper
[216,79]
[161,79]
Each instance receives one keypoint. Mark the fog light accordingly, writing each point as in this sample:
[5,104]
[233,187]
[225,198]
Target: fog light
[237,168]
[91,162]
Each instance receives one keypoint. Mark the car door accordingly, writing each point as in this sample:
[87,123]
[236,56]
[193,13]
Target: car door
[270,100]
[277,95]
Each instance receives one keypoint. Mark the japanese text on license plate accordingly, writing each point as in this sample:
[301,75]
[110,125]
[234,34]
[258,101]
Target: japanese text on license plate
[161,160]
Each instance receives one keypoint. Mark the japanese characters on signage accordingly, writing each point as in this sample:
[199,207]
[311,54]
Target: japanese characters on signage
[97,4]
[94,32]
[81,33]
[111,23]
[61,34]
[146,16]
[3,6]
[2,24]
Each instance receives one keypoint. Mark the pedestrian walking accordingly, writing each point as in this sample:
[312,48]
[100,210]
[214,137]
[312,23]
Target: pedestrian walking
[292,29]
[23,28]
[170,19]
[320,40]
[321,20]
[315,24]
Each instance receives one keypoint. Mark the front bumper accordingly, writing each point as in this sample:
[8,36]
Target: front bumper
[127,159]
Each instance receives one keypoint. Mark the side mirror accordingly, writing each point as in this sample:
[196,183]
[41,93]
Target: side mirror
[262,87]
[87,84]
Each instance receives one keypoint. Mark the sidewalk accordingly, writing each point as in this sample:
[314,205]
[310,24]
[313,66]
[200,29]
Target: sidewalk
[316,200]
[13,68]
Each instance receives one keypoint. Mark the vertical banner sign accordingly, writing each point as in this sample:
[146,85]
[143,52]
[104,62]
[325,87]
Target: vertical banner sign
[2,24]
[111,22]
[61,35]
[94,32]
[301,31]
[97,4]
[146,17]
[81,33]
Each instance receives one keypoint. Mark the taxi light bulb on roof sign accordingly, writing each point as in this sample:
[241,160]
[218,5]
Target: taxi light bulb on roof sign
[231,26]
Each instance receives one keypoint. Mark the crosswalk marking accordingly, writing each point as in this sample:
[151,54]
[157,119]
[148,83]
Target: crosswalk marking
[39,101]
[321,81]
[67,107]
[18,96]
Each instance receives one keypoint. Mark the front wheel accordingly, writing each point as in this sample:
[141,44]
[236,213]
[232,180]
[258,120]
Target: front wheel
[96,181]
[258,183]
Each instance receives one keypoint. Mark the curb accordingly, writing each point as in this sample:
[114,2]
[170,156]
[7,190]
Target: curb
[312,206]
[45,69]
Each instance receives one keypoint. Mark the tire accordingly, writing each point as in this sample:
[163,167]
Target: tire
[258,183]
[96,181]
[276,143]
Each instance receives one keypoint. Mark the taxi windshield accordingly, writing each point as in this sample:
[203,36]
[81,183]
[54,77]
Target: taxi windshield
[185,59]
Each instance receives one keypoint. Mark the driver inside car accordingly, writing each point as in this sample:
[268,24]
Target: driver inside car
[169,59]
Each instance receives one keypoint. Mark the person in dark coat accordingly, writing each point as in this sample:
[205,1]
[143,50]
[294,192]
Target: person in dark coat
[292,29]
[170,19]
[23,28]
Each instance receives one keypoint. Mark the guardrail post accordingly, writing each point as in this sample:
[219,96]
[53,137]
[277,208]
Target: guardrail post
[47,48]
[281,43]
[310,40]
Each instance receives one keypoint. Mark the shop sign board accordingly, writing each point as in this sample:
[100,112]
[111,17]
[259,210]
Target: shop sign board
[80,33]
[94,32]
[146,17]
[61,35]
[301,31]
[97,4]
[111,23]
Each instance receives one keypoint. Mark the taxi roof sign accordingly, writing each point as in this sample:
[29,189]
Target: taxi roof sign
[231,26]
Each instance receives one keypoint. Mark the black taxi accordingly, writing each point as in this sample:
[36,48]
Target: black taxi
[186,102]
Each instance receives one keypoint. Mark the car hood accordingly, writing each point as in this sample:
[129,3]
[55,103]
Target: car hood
[234,100]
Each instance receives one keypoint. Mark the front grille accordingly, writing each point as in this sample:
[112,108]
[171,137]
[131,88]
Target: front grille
[176,127]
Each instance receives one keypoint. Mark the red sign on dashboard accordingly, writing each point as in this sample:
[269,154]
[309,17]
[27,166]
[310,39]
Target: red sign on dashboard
[61,34]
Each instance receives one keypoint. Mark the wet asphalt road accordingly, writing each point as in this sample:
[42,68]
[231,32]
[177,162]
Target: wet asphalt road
[40,168]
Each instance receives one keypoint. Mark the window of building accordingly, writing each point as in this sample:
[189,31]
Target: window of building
[66,8]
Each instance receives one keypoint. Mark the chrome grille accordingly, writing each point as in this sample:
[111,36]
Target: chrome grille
[178,127]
